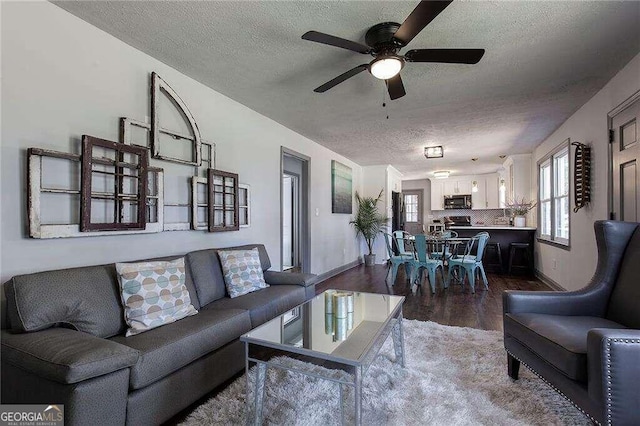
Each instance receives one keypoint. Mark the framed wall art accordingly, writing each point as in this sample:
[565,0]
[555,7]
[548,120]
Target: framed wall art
[341,188]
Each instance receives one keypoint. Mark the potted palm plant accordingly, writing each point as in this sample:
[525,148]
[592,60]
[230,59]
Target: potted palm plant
[369,222]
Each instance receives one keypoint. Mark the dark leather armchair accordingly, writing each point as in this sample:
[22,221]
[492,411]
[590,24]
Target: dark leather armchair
[586,343]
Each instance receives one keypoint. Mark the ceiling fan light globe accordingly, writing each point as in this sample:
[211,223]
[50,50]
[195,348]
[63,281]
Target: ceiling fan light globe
[385,68]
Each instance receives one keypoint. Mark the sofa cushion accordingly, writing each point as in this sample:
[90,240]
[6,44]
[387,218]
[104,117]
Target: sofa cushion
[206,271]
[166,349]
[153,294]
[623,304]
[264,304]
[559,340]
[85,299]
[65,356]
[242,271]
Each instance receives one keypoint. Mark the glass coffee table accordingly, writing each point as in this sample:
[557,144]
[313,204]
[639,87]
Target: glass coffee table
[336,330]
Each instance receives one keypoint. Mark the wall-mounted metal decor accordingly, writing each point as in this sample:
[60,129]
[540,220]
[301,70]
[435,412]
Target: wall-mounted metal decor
[159,87]
[582,175]
[113,186]
[223,201]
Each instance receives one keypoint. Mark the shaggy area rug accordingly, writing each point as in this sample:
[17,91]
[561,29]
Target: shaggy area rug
[453,376]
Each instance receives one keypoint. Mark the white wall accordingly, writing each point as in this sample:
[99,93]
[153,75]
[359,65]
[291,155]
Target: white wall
[574,268]
[62,78]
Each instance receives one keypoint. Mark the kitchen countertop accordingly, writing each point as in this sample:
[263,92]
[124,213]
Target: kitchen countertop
[495,227]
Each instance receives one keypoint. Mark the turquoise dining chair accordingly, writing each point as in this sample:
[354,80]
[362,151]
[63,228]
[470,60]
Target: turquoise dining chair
[468,264]
[424,261]
[395,261]
[400,237]
[445,253]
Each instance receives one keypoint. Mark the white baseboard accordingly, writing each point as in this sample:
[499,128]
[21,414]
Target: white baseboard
[338,270]
[548,281]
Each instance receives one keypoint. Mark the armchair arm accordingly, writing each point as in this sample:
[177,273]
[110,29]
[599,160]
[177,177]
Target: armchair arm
[614,373]
[64,355]
[290,278]
[550,302]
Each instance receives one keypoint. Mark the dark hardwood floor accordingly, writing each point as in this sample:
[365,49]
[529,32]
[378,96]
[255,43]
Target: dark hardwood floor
[453,306]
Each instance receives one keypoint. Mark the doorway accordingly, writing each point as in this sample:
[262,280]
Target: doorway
[413,211]
[290,222]
[625,161]
[294,212]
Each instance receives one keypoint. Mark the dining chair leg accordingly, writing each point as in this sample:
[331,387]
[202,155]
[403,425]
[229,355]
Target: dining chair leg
[444,282]
[394,273]
[484,277]
[432,280]
[472,279]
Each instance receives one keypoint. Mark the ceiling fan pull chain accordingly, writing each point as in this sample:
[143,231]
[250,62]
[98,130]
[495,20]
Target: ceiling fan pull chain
[384,100]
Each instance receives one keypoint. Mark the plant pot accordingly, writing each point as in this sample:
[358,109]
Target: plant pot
[519,221]
[369,259]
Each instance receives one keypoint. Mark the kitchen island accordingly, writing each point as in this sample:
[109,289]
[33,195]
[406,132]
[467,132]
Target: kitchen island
[505,235]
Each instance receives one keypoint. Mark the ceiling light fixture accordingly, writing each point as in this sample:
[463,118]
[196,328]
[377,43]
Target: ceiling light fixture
[385,67]
[433,151]
[474,186]
[441,174]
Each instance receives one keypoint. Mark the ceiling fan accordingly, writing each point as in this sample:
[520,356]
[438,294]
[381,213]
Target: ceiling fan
[385,40]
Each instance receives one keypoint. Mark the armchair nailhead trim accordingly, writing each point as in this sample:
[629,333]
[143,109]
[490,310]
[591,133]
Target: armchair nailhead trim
[556,389]
[607,351]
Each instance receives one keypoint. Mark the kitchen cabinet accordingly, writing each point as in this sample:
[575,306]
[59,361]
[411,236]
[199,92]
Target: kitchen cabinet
[493,191]
[479,198]
[518,178]
[457,186]
[488,194]
[437,195]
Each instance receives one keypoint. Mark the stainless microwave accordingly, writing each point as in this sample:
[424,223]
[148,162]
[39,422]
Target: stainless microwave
[457,202]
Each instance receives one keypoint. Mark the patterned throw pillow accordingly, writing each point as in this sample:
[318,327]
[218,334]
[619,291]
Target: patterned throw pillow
[242,271]
[153,294]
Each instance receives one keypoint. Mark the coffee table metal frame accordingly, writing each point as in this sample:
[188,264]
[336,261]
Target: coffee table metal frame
[262,352]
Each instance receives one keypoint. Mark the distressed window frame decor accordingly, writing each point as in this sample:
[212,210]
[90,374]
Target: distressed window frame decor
[158,86]
[212,174]
[138,199]
[244,221]
[340,185]
[196,204]
[36,189]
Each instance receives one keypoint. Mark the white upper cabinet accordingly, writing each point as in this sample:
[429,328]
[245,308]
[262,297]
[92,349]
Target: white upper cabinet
[437,195]
[479,198]
[518,178]
[457,186]
[493,191]
[486,197]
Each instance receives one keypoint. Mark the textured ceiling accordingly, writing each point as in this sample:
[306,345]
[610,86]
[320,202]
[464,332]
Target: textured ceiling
[543,61]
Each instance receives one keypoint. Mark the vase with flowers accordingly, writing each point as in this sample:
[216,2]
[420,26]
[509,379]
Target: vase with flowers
[519,209]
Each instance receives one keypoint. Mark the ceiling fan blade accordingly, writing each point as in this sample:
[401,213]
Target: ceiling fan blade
[335,41]
[395,87]
[448,56]
[424,13]
[342,77]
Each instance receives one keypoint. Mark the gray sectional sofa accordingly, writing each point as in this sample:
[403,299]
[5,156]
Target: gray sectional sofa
[63,341]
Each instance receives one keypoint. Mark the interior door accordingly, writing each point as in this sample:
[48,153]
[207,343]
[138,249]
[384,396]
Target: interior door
[413,210]
[625,156]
